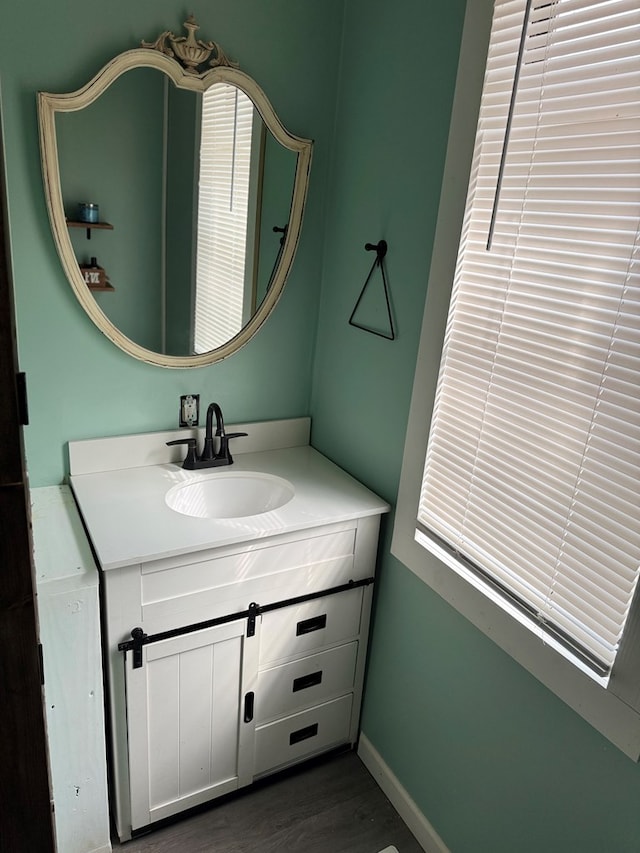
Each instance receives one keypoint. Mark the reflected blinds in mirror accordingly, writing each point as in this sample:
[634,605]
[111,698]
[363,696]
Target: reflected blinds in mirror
[222,273]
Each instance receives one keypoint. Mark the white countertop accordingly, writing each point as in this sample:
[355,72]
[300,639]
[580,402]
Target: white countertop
[129,522]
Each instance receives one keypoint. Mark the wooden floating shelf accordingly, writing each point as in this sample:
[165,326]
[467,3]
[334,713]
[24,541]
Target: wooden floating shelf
[72,223]
[104,287]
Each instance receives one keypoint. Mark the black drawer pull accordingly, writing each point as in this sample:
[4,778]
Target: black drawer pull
[314,624]
[307,681]
[303,734]
[248,707]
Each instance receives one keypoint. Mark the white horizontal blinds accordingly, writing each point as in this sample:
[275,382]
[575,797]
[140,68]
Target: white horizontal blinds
[533,463]
[223,194]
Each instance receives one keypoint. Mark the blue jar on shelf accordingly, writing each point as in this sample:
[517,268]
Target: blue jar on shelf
[88,212]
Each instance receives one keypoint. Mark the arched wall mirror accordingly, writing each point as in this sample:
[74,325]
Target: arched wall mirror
[176,199]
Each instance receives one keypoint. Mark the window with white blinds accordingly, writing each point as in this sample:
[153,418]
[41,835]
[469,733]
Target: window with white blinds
[532,475]
[223,203]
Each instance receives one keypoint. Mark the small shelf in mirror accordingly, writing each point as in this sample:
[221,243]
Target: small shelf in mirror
[107,288]
[73,223]
[95,276]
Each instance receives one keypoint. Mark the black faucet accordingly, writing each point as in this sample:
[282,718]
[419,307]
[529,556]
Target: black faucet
[209,458]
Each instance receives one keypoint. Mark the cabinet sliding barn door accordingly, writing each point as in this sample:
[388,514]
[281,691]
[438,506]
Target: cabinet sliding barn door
[188,738]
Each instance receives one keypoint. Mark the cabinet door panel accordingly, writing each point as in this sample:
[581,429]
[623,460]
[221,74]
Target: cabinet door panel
[163,711]
[185,731]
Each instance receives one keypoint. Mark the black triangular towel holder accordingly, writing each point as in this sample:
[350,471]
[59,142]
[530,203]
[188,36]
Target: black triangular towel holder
[381,250]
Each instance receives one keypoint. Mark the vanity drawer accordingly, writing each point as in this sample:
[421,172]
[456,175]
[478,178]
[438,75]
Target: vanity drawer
[302,628]
[309,681]
[301,735]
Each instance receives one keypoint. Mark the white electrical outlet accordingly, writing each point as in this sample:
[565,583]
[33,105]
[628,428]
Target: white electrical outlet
[189,409]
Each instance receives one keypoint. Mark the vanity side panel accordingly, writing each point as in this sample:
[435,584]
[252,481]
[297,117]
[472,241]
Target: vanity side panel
[366,553]
[69,620]
[366,547]
[121,611]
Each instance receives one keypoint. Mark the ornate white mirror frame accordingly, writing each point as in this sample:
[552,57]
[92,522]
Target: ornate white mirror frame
[161,55]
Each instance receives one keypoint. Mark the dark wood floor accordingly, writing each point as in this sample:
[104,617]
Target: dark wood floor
[333,806]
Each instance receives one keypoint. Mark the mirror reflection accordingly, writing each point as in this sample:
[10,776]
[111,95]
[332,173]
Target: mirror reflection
[176,199]
[198,193]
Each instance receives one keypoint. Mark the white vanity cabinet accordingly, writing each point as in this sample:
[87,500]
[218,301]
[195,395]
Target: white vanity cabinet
[203,711]
[252,633]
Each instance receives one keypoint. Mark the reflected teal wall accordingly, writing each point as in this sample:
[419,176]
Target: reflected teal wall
[278,177]
[495,762]
[182,155]
[80,385]
[104,157]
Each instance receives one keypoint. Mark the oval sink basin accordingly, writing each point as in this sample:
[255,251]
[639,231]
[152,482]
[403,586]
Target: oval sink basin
[233,495]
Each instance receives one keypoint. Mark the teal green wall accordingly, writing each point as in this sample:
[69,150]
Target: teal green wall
[495,762]
[80,385]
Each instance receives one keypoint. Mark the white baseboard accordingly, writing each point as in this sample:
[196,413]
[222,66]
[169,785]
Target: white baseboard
[425,834]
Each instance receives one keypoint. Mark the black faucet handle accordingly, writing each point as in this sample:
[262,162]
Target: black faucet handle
[224,452]
[190,459]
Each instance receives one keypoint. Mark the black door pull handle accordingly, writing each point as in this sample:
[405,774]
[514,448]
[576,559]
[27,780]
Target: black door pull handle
[248,707]
[305,681]
[314,624]
[303,734]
